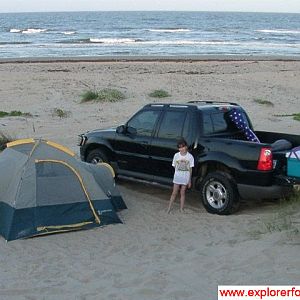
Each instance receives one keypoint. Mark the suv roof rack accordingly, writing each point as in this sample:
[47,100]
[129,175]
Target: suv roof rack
[212,102]
[183,105]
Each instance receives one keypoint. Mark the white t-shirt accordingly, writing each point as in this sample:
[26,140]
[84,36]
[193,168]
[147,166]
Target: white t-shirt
[182,165]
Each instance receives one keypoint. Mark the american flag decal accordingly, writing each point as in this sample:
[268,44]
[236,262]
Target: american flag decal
[238,119]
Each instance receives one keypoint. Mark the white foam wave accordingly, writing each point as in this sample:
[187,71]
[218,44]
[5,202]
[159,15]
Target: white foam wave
[33,30]
[108,41]
[187,42]
[212,43]
[280,31]
[14,30]
[68,32]
[170,30]
[221,43]
[262,45]
[113,41]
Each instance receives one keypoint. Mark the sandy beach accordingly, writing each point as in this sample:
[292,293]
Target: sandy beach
[153,255]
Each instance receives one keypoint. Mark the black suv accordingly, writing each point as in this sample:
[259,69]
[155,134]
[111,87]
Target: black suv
[227,165]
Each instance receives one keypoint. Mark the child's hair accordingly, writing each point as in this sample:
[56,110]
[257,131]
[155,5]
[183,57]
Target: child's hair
[181,142]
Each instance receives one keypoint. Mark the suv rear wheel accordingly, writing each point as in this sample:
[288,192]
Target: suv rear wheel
[219,193]
[96,156]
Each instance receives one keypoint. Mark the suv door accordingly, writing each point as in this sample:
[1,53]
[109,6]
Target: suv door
[174,125]
[132,150]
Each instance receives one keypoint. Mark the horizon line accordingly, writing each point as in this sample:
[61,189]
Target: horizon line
[216,11]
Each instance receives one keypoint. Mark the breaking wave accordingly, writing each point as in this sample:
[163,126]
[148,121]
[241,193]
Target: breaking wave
[170,30]
[137,42]
[27,31]
[14,30]
[279,31]
[69,32]
[113,41]
[33,30]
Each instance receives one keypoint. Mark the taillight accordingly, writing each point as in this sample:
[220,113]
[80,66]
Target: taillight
[265,162]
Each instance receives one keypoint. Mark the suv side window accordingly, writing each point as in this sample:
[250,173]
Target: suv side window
[144,122]
[217,123]
[207,124]
[172,125]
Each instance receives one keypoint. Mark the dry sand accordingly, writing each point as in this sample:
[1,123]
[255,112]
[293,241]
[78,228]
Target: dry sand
[153,255]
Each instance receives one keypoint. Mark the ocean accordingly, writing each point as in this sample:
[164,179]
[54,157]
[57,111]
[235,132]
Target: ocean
[96,34]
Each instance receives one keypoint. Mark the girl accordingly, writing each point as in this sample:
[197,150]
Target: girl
[183,162]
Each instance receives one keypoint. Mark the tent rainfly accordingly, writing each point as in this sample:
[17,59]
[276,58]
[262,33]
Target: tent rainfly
[45,189]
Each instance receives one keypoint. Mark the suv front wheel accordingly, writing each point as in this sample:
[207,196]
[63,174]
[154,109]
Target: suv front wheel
[96,156]
[219,193]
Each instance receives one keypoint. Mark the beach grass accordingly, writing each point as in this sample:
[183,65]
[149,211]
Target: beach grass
[296,116]
[283,219]
[61,113]
[104,95]
[89,96]
[14,113]
[263,102]
[159,94]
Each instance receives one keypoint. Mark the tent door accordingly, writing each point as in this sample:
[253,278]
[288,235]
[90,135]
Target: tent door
[61,197]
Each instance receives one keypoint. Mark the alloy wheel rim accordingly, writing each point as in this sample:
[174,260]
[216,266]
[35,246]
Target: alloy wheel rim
[216,195]
[96,160]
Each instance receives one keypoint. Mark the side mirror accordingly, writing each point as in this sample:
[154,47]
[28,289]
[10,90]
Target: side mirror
[121,129]
[131,130]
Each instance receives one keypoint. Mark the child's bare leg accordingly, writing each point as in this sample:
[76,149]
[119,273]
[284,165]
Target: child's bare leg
[173,196]
[182,196]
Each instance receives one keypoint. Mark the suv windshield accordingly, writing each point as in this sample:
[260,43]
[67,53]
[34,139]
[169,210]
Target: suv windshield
[144,122]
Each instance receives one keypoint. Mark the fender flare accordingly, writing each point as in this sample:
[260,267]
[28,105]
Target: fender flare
[96,142]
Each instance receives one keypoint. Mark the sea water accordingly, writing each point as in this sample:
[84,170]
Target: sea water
[96,34]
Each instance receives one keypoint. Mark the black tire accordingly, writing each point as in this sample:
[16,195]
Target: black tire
[96,156]
[219,193]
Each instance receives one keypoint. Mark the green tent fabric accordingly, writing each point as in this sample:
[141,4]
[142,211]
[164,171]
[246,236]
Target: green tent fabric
[45,189]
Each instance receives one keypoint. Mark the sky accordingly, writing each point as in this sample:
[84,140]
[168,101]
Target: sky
[131,5]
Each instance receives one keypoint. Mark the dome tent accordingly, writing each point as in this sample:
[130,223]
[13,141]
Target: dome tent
[45,189]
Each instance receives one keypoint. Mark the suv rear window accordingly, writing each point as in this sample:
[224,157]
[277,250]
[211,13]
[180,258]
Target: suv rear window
[219,122]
